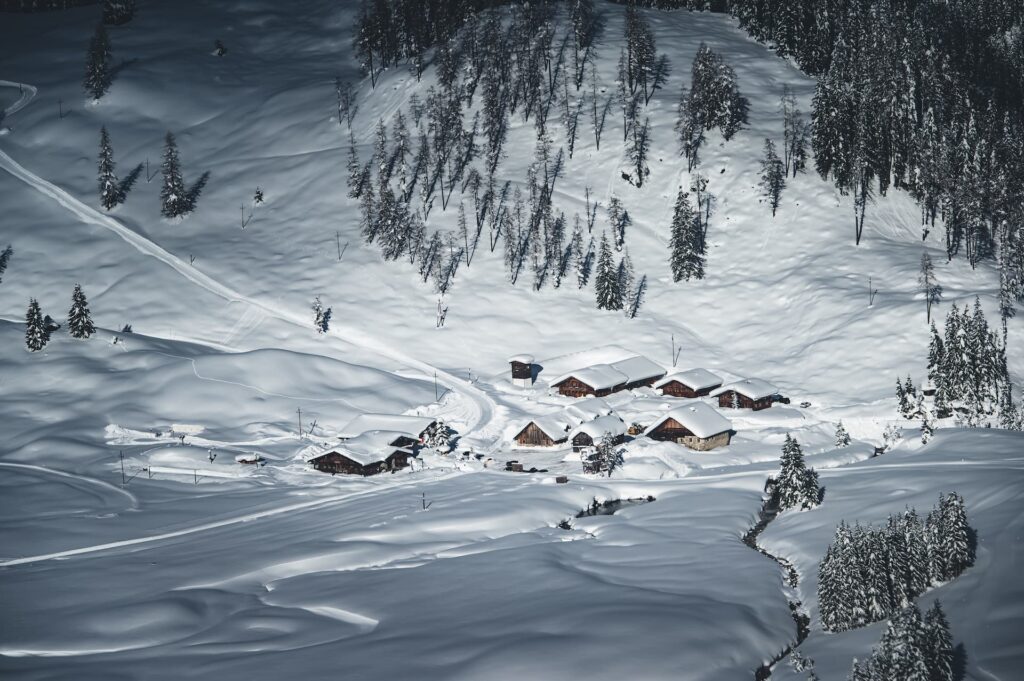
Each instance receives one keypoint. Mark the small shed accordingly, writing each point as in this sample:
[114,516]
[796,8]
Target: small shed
[368,454]
[691,383]
[544,431]
[696,425]
[592,432]
[750,393]
[522,370]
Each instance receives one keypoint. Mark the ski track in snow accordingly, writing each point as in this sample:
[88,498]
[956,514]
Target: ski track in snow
[149,539]
[480,417]
[76,478]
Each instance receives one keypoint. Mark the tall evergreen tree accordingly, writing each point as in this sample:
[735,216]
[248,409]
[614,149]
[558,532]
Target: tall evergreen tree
[173,195]
[797,485]
[110,189]
[773,176]
[606,283]
[98,76]
[687,241]
[930,288]
[5,257]
[79,319]
[36,335]
[938,644]
[842,437]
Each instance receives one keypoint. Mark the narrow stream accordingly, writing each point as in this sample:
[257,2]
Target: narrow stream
[769,511]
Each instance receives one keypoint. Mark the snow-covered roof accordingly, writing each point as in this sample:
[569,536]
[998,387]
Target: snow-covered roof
[700,418]
[599,426]
[696,379]
[638,368]
[588,409]
[754,388]
[522,359]
[598,376]
[372,446]
[406,425]
[554,426]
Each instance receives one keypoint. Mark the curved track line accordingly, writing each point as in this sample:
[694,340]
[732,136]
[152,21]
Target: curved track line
[76,478]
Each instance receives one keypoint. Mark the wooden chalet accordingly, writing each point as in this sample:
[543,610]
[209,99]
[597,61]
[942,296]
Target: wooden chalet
[368,454]
[600,380]
[692,383]
[750,393]
[522,370]
[591,433]
[544,431]
[696,425]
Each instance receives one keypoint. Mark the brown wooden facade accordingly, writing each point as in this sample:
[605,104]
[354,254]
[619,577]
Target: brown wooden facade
[673,431]
[677,389]
[573,387]
[643,383]
[522,370]
[335,462]
[731,398]
[533,436]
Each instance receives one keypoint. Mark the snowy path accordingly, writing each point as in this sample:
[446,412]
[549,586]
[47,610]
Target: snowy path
[77,480]
[480,411]
[149,539]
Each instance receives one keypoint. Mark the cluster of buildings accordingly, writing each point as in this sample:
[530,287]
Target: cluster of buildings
[695,424]
[375,443]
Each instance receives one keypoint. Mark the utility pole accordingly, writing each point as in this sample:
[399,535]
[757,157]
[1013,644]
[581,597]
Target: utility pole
[299,412]
[435,386]
[123,481]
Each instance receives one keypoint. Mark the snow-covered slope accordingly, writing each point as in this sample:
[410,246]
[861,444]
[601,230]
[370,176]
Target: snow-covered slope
[200,567]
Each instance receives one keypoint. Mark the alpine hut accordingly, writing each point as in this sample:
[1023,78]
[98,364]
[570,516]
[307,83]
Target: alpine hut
[696,425]
[750,393]
[368,454]
[544,431]
[604,379]
[592,432]
[522,370]
[692,383]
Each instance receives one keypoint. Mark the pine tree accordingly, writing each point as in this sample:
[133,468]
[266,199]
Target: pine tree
[117,12]
[97,65]
[110,189]
[619,218]
[79,320]
[842,437]
[955,535]
[606,284]
[321,316]
[797,485]
[773,176]
[36,335]
[938,644]
[355,169]
[5,257]
[687,243]
[173,196]
[625,278]
[931,290]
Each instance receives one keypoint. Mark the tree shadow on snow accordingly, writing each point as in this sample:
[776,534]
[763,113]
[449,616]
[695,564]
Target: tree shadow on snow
[959,662]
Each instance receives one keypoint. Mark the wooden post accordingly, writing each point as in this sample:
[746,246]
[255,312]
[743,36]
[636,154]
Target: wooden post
[435,386]
[299,412]
[123,481]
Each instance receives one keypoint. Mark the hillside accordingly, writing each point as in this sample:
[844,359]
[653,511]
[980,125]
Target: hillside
[192,564]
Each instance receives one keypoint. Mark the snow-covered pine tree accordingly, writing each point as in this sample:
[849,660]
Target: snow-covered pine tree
[773,176]
[36,335]
[625,280]
[173,195]
[842,437]
[619,219]
[355,169]
[938,644]
[110,189]
[930,288]
[117,12]
[97,65]
[829,593]
[606,283]
[955,535]
[686,243]
[368,213]
[79,319]
[797,485]
[321,316]
[5,258]
[638,145]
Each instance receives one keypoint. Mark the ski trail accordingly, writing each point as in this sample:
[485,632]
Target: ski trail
[149,539]
[76,478]
[27,93]
[483,410]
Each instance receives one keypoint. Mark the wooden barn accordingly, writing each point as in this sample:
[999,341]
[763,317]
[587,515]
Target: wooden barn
[591,433]
[368,454]
[522,370]
[600,380]
[544,431]
[696,425]
[692,383]
[750,393]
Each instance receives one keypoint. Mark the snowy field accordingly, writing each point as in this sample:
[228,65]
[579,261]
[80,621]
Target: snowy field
[134,545]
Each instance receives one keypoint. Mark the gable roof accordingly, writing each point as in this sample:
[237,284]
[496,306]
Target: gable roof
[522,359]
[370,447]
[406,425]
[588,409]
[700,418]
[555,427]
[599,426]
[754,388]
[598,377]
[638,368]
[695,379]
